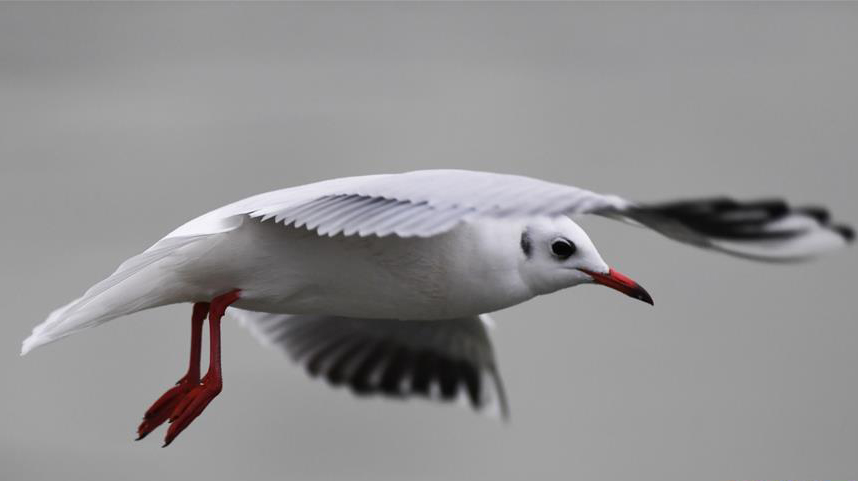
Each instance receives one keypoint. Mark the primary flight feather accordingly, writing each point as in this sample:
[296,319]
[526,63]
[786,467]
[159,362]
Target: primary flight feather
[340,273]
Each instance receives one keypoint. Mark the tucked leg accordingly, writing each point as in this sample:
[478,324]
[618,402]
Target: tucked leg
[195,401]
[162,408]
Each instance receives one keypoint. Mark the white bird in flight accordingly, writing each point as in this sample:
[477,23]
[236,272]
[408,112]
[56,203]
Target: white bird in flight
[339,274]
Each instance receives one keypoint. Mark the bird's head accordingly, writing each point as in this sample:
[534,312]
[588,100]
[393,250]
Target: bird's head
[559,254]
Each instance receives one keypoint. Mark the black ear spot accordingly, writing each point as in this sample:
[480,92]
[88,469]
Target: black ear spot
[526,244]
[562,248]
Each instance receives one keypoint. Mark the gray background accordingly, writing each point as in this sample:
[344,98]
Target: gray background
[120,122]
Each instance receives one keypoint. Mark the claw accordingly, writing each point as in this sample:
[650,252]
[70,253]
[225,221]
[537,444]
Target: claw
[161,409]
[192,405]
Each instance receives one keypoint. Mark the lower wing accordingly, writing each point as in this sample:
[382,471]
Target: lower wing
[442,360]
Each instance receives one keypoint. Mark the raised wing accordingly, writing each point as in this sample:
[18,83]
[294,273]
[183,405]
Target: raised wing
[767,230]
[431,202]
[444,360]
[421,203]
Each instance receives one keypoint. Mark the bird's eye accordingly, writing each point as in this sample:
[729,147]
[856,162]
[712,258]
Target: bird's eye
[562,248]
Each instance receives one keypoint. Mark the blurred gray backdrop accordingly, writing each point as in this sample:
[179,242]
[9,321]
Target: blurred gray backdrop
[119,122]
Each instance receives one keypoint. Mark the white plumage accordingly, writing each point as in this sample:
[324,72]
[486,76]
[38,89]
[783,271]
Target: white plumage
[421,203]
[413,204]
[433,245]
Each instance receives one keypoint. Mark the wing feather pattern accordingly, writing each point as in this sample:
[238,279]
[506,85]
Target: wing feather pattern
[444,360]
[421,203]
[430,202]
[764,230]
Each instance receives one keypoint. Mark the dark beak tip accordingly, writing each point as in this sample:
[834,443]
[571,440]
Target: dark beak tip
[644,296]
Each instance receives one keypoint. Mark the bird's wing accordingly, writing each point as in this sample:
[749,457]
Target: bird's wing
[445,360]
[430,202]
[766,230]
[421,203]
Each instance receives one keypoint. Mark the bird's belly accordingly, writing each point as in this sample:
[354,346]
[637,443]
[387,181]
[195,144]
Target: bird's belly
[373,300]
[287,270]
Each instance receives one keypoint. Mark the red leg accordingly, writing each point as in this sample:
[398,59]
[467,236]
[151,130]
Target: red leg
[161,409]
[195,401]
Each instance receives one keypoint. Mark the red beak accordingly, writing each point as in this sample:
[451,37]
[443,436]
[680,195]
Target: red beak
[618,281]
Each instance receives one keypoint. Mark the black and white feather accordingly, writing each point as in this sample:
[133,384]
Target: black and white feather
[445,360]
[767,230]
[427,203]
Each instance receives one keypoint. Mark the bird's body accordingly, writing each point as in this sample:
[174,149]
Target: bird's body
[295,271]
[333,273]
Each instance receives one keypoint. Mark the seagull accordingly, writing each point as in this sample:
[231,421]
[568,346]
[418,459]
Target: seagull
[383,283]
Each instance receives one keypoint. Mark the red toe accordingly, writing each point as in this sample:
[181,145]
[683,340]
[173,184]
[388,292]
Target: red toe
[162,408]
[192,405]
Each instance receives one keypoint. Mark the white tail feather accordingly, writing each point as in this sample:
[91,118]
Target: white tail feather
[139,283]
[39,337]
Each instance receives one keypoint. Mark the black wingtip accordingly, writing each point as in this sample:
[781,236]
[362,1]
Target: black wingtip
[819,213]
[847,232]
